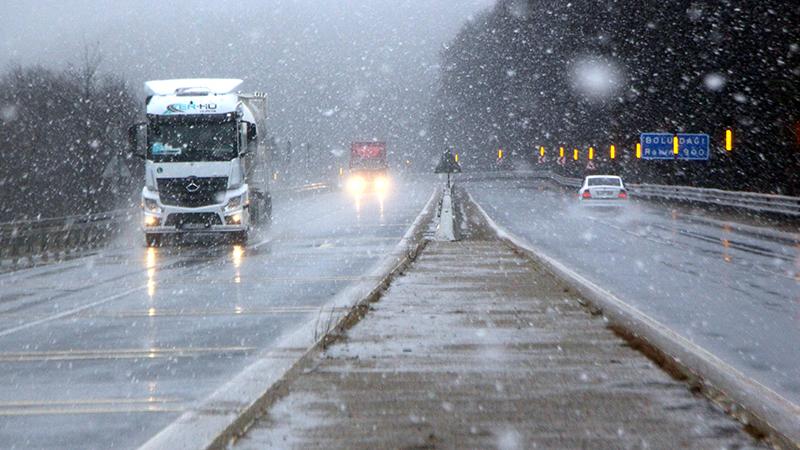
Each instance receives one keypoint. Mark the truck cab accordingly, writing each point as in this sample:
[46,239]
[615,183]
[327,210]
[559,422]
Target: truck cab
[206,163]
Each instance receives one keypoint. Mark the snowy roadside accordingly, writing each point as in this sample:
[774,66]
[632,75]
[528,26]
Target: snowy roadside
[476,346]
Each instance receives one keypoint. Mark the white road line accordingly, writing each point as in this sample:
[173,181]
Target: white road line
[69,312]
[73,311]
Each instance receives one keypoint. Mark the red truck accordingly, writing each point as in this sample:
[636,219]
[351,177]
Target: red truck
[369,169]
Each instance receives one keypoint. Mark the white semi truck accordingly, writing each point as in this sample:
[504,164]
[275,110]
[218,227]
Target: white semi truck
[207,163]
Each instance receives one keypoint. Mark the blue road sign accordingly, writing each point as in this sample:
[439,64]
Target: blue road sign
[659,146]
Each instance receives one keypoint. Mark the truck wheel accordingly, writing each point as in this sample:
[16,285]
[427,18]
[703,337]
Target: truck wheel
[152,239]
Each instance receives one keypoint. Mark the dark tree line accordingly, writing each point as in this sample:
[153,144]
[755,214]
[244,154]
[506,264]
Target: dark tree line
[59,131]
[515,78]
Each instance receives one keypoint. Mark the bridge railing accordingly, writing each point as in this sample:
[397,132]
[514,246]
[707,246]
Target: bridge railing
[751,201]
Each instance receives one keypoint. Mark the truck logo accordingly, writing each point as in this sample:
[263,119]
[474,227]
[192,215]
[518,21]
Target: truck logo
[192,185]
[183,108]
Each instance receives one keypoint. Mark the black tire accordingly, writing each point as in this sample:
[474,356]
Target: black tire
[152,239]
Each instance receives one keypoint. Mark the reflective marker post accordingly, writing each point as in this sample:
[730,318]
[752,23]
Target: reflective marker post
[728,140]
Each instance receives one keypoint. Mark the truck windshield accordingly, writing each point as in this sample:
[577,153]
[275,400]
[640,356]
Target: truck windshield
[184,141]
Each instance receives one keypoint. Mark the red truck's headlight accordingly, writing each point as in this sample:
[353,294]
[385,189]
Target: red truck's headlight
[356,184]
[381,184]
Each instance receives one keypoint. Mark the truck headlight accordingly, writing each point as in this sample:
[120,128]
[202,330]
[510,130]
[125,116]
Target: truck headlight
[151,205]
[151,221]
[381,183]
[234,203]
[356,184]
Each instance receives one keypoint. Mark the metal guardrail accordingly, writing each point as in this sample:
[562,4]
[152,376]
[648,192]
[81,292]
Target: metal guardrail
[762,203]
[21,241]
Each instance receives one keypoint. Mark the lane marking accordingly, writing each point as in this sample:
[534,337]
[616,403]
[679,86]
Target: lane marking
[91,406]
[163,312]
[78,309]
[69,312]
[89,401]
[143,353]
[236,311]
[293,280]
[73,411]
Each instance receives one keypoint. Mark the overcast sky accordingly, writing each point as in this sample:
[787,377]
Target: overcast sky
[334,70]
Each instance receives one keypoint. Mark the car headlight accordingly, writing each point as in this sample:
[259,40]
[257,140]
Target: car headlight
[151,205]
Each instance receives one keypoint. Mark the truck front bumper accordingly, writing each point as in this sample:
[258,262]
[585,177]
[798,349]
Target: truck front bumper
[167,219]
[195,220]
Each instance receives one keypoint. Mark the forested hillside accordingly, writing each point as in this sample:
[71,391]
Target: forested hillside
[578,74]
[59,130]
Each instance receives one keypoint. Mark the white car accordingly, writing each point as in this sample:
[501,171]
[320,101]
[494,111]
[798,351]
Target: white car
[603,190]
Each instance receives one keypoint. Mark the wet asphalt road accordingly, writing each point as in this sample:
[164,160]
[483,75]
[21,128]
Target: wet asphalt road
[106,350]
[736,294]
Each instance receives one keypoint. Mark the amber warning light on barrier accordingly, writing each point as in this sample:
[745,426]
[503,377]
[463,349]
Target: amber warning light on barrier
[728,139]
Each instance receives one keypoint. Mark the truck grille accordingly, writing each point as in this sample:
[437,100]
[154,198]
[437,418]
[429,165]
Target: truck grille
[189,219]
[191,191]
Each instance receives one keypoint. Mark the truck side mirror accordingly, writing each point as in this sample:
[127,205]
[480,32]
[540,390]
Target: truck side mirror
[137,139]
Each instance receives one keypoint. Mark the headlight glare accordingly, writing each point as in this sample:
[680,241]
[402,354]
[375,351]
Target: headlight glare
[356,184]
[381,183]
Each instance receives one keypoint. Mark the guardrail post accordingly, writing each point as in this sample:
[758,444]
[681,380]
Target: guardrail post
[65,242]
[45,247]
[94,236]
[85,240]
[14,249]
[29,248]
